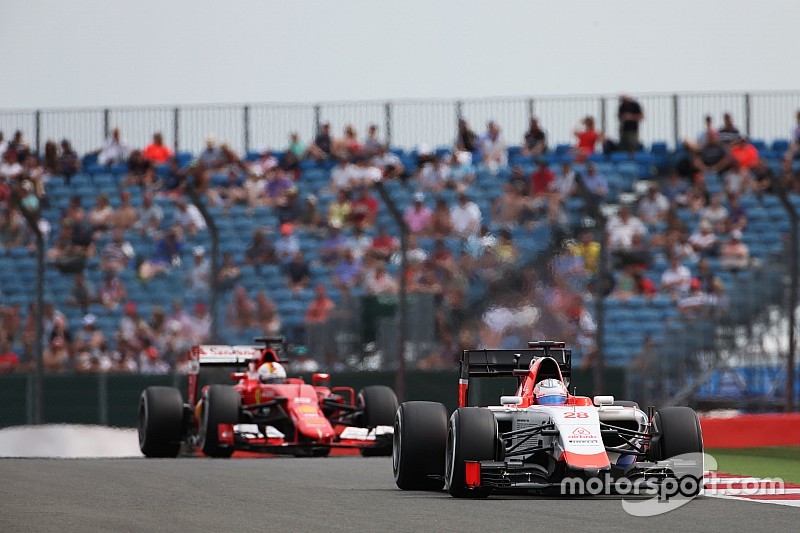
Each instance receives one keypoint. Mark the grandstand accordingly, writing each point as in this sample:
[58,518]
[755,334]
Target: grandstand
[648,329]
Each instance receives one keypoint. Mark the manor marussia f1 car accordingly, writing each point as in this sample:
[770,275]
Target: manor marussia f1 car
[290,417]
[523,445]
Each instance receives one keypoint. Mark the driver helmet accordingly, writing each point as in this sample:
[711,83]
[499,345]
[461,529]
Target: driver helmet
[550,392]
[271,373]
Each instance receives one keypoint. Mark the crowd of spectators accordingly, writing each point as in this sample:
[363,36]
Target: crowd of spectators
[358,252]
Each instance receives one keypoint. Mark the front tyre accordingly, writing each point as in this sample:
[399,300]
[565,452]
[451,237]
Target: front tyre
[471,436]
[420,437]
[221,404]
[160,422]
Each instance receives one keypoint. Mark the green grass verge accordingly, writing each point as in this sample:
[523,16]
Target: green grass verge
[782,462]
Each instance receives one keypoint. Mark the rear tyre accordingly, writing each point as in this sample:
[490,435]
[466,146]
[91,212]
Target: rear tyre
[221,405]
[160,423]
[472,436]
[420,438]
[379,406]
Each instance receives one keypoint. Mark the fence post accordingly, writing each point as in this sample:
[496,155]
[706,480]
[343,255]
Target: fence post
[603,115]
[106,126]
[747,114]
[246,111]
[387,117]
[676,120]
[102,398]
[176,120]
[317,118]
[38,132]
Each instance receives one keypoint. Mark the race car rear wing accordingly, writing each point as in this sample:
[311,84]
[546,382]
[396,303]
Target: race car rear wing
[510,363]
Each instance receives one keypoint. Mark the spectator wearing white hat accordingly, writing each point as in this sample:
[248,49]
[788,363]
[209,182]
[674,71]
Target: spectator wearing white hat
[199,276]
[734,254]
[212,156]
[418,216]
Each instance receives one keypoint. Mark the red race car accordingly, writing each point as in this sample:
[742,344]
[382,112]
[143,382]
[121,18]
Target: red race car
[263,411]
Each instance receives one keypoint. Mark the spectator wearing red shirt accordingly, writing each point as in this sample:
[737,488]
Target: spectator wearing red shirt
[745,153]
[587,138]
[319,310]
[383,245]
[364,209]
[157,152]
[541,181]
[8,359]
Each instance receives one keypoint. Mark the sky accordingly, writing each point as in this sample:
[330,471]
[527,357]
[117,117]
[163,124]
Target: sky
[146,52]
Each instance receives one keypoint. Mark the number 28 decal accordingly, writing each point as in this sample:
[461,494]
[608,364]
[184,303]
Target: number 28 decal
[573,414]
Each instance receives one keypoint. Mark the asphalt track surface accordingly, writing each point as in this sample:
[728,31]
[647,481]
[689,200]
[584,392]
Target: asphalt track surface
[332,494]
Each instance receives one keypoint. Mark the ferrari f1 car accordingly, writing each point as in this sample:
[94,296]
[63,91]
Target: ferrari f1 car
[262,411]
[542,436]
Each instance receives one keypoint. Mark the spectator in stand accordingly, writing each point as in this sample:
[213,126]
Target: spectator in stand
[102,214]
[493,148]
[709,283]
[132,327]
[675,189]
[69,162]
[713,157]
[728,133]
[212,156]
[339,210]
[621,228]
[57,354]
[364,209]
[564,185]
[737,180]
[297,274]
[287,245]
[762,177]
[333,246]
[433,176]
[588,137]
[389,164]
[296,148]
[653,207]
[320,308]
[716,213]
[310,216]
[734,254]
[380,283]
[117,254]
[265,163]
[441,220]
[541,182]
[174,181]
[9,361]
[125,216]
[260,251]
[510,209]
[347,272]
[466,139]
[114,151]
[189,217]
[81,235]
[589,250]
[157,152]
[266,314]
[630,114]
[535,140]
[632,282]
[595,182]
[112,291]
[359,243]
[322,146]
[167,255]
[342,175]
[150,216]
[675,279]
[289,209]
[696,304]
[708,133]
[198,279]
[372,144]
[704,241]
[383,245]
[348,145]
[278,185]
[82,293]
[465,216]
[241,311]
[140,171]
[366,174]
[745,154]
[505,250]
[737,216]
[89,346]
[10,168]
[418,216]
[229,272]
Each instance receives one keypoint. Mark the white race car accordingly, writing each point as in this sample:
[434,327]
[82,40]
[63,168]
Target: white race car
[542,436]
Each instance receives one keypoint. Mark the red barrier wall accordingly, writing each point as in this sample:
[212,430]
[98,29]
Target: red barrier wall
[749,431]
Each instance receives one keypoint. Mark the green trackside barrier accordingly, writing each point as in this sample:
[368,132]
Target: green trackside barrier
[112,399]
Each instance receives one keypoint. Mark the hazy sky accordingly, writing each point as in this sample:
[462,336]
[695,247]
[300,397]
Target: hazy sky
[60,53]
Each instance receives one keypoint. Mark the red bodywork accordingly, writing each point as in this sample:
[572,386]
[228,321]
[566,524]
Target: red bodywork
[311,415]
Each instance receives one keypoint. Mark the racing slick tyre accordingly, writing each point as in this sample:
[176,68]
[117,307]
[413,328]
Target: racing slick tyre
[160,422]
[420,437]
[472,436]
[676,431]
[221,405]
[379,406]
